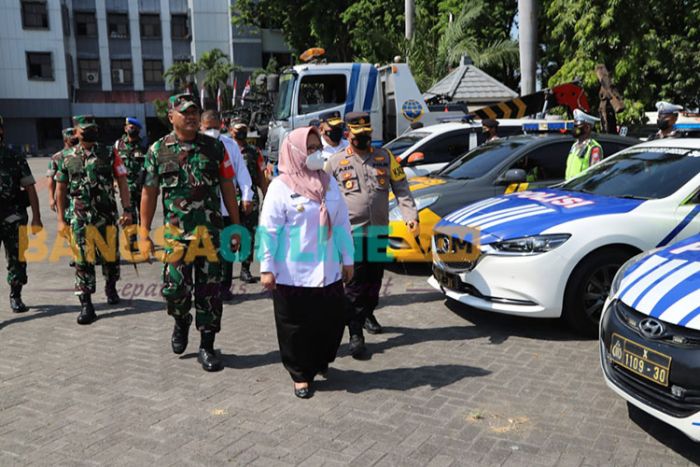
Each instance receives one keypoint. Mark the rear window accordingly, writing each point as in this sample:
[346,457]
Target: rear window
[479,161]
[400,144]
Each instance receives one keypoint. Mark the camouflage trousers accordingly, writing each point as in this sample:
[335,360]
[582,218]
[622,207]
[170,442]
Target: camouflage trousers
[178,285]
[9,237]
[85,281]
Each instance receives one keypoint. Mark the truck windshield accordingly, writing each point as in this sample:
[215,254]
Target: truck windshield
[283,106]
[400,144]
[644,173]
[477,162]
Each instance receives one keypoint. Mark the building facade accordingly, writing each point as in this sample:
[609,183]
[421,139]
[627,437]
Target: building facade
[107,58]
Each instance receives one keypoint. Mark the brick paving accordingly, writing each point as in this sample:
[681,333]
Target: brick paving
[445,385]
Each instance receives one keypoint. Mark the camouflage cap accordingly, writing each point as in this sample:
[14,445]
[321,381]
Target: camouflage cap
[67,132]
[84,121]
[182,102]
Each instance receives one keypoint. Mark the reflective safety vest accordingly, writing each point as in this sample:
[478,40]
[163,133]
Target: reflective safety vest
[580,158]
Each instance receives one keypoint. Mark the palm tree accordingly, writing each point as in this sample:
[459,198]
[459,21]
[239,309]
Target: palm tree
[181,74]
[217,69]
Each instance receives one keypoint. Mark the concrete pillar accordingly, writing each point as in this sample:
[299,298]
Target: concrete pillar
[103,41]
[167,41]
[527,35]
[135,35]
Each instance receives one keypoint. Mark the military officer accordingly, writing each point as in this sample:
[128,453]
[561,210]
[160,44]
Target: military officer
[365,176]
[190,168]
[332,133]
[69,140]
[585,151]
[85,185]
[132,153]
[17,190]
[667,115]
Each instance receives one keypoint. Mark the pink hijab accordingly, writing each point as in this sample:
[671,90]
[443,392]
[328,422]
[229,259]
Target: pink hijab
[311,184]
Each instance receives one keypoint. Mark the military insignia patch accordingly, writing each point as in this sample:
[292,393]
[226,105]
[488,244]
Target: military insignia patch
[344,162]
[349,185]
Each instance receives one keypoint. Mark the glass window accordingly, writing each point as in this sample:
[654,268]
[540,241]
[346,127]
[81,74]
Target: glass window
[150,26]
[400,144]
[121,72]
[89,71]
[35,15]
[39,66]
[153,71]
[645,173]
[66,20]
[545,162]
[283,105]
[319,92]
[479,161]
[178,27]
[85,24]
[117,26]
[445,148]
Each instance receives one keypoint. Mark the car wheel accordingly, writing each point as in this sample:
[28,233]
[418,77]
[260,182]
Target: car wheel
[588,288]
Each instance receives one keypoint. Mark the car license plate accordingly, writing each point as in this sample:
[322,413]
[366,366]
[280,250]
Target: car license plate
[446,279]
[640,360]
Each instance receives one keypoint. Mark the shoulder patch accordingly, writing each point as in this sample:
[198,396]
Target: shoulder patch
[397,173]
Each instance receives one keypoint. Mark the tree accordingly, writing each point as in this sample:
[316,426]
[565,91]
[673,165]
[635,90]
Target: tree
[216,68]
[181,74]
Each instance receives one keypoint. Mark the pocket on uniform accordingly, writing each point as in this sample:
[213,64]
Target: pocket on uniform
[168,174]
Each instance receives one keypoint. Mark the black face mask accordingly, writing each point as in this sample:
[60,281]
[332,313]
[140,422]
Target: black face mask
[134,132]
[663,124]
[241,135]
[362,142]
[578,131]
[335,134]
[73,140]
[90,135]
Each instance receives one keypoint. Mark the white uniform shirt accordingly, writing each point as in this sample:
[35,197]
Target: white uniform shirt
[329,150]
[243,180]
[290,240]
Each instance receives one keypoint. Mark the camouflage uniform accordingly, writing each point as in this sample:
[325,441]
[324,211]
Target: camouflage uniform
[14,175]
[254,163]
[189,175]
[89,175]
[54,162]
[132,155]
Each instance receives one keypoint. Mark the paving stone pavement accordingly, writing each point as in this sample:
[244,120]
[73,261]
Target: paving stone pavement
[445,385]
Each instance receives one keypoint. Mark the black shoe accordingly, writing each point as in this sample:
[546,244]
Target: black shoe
[227,295]
[181,332]
[87,310]
[323,372]
[357,346]
[302,393]
[16,303]
[207,356]
[246,276]
[111,293]
[372,325]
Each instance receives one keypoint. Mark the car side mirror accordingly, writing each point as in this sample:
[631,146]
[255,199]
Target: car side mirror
[513,176]
[415,158]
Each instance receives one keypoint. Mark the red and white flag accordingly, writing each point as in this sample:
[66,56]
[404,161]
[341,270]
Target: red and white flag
[233,96]
[201,97]
[218,99]
[246,90]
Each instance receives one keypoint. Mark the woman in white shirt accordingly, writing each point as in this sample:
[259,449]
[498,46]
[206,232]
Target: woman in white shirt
[306,252]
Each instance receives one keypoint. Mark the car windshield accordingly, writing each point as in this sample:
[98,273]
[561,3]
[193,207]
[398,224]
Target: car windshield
[479,161]
[644,173]
[283,105]
[400,144]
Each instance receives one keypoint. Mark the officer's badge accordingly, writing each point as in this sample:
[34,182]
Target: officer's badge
[344,162]
[382,181]
[362,121]
[349,185]
[300,207]
[379,158]
[347,175]
[381,172]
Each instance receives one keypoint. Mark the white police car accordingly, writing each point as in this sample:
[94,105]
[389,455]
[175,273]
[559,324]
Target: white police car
[554,252]
[650,334]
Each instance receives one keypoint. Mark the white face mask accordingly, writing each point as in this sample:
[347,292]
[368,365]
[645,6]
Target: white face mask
[213,132]
[314,161]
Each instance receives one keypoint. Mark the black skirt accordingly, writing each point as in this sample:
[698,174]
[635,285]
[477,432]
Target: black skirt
[310,323]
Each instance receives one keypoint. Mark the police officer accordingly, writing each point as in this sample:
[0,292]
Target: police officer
[132,153]
[250,212]
[365,176]
[16,192]
[490,129]
[666,117]
[190,168]
[69,140]
[85,185]
[332,134]
[586,151]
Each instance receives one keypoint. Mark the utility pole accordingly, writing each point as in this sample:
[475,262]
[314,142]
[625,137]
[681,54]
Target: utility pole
[409,9]
[527,35]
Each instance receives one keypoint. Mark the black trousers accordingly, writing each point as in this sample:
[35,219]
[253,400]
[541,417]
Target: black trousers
[362,292]
[310,324]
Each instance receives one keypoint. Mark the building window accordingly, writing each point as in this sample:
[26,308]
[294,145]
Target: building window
[121,72]
[117,26]
[153,71]
[89,70]
[85,25]
[39,66]
[65,17]
[35,15]
[178,27]
[150,26]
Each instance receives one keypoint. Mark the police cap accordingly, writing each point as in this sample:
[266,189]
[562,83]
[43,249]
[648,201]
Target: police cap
[358,122]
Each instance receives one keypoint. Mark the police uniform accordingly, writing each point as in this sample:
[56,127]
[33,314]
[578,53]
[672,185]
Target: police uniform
[665,111]
[334,120]
[15,176]
[583,154]
[365,182]
[132,154]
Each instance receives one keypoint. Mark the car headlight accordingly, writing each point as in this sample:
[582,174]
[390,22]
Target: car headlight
[617,280]
[523,246]
[421,203]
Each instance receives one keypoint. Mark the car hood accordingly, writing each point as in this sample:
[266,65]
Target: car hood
[532,212]
[666,284]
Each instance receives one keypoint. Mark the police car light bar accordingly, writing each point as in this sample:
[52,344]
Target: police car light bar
[548,127]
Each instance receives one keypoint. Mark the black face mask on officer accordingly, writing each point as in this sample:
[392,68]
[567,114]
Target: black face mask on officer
[663,124]
[241,135]
[73,140]
[90,135]
[335,134]
[133,132]
[362,141]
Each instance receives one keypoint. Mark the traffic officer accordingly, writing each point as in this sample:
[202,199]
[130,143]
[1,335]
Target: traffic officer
[69,140]
[17,190]
[190,168]
[250,212]
[490,129]
[332,134]
[666,118]
[365,176]
[130,149]
[85,185]
[585,151]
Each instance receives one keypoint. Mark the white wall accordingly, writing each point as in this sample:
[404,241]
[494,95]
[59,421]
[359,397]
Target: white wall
[211,25]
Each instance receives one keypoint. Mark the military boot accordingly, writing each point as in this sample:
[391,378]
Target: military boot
[87,310]
[246,276]
[16,299]
[111,292]
[181,332]
[207,357]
